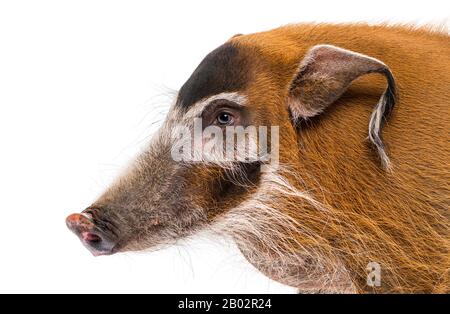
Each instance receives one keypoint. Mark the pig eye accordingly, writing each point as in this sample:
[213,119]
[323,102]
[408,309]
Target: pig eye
[225,118]
[222,113]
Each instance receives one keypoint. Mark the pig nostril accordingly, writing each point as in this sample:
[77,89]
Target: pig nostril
[91,237]
[96,240]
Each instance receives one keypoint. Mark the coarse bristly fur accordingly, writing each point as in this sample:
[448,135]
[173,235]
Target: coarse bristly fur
[310,262]
[330,208]
[318,248]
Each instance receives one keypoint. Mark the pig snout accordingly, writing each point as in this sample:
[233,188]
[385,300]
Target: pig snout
[94,239]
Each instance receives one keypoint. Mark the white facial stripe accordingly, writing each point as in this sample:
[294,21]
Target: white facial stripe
[199,106]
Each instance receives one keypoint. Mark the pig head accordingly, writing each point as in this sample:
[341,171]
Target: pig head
[302,221]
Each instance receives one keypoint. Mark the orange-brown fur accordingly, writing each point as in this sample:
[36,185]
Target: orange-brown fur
[399,219]
[330,209]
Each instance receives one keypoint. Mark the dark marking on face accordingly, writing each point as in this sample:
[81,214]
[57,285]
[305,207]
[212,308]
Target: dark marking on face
[225,69]
[233,187]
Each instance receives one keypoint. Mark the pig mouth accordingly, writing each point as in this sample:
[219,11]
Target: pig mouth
[96,240]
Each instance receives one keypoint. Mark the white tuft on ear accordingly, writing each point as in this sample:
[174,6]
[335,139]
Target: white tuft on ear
[324,75]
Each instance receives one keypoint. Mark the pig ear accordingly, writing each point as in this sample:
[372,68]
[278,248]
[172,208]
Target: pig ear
[323,76]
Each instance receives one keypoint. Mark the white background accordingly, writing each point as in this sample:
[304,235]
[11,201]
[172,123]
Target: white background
[82,86]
